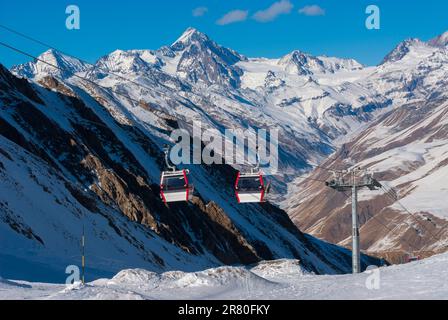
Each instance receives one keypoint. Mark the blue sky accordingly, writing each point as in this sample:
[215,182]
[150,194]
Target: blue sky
[336,30]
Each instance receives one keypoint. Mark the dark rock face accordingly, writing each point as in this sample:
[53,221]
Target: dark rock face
[301,60]
[204,60]
[102,172]
[327,213]
[8,83]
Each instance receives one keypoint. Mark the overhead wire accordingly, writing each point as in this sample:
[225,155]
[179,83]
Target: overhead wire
[388,228]
[139,102]
[95,66]
[21,34]
[410,213]
[324,168]
[49,46]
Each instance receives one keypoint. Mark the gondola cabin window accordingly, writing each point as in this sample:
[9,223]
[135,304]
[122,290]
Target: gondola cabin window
[248,184]
[173,183]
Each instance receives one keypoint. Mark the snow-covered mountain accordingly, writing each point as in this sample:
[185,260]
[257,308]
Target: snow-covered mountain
[440,41]
[406,149]
[273,280]
[306,64]
[36,69]
[67,163]
[203,60]
[196,78]
[316,102]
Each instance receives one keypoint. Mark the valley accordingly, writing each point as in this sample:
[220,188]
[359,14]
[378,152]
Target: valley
[81,146]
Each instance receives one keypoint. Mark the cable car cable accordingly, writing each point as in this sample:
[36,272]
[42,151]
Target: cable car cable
[410,213]
[33,39]
[388,228]
[80,59]
[106,89]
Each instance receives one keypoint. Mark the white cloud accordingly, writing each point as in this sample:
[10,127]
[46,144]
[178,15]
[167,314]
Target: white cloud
[313,10]
[233,16]
[276,9]
[199,11]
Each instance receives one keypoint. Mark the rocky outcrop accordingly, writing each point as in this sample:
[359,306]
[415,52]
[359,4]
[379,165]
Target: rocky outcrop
[109,167]
[406,150]
[203,60]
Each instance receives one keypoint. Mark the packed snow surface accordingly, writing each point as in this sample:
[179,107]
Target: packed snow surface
[280,279]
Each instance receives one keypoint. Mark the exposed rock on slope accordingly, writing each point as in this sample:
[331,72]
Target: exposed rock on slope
[316,102]
[407,150]
[66,164]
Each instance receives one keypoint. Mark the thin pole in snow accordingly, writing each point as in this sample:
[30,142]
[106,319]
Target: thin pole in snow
[83,262]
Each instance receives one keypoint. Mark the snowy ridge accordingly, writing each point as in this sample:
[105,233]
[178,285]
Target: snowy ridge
[39,69]
[314,101]
[305,64]
[440,41]
[416,280]
[317,103]
[97,163]
[407,151]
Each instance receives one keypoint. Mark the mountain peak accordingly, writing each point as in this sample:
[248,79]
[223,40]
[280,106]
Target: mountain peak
[53,52]
[52,56]
[401,50]
[439,41]
[304,63]
[204,60]
[191,30]
[190,35]
[65,65]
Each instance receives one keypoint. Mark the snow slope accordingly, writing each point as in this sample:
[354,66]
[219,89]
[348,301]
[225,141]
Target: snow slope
[195,78]
[282,279]
[38,69]
[404,145]
[68,161]
[41,222]
[315,102]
